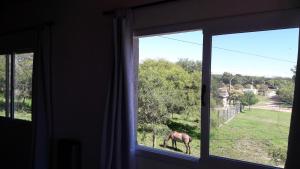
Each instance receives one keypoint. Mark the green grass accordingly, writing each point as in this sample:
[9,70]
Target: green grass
[18,115]
[188,124]
[23,116]
[258,136]
[255,135]
[22,110]
[2,113]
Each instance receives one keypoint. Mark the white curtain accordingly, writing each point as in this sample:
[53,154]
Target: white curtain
[118,135]
[42,100]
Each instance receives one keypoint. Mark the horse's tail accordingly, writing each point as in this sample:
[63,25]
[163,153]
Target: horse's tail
[190,139]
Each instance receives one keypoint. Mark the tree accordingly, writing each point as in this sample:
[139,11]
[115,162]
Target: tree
[189,65]
[2,73]
[294,71]
[226,77]
[151,99]
[216,83]
[238,87]
[234,96]
[249,99]
[238,79]
[23,70]
[247,79]
[165,89]
[286,92]
[2,81]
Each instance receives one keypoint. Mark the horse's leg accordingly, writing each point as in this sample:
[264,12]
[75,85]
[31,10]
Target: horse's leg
[186,148]
[175,144]
[189,148]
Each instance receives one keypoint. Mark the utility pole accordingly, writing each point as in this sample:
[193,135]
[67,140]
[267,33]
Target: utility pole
[229,93]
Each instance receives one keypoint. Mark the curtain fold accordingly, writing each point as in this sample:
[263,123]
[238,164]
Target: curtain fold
[293,154]
[42,100]
[118,135]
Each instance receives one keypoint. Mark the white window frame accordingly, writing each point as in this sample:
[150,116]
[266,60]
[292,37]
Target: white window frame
[221,26]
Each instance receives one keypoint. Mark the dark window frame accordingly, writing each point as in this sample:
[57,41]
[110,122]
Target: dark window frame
[10,80]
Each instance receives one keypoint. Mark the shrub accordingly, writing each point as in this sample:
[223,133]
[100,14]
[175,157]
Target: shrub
[277,154]
[249,99]
[286,93]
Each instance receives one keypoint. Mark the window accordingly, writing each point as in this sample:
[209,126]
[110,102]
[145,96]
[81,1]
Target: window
[3,85]
[16,85]
[169,85]
[251,78]
[252,88]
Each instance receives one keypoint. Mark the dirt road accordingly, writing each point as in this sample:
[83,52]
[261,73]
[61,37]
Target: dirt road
[273,103]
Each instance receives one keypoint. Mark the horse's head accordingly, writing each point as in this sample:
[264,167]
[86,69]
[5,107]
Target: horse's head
[165,143]
[167,139]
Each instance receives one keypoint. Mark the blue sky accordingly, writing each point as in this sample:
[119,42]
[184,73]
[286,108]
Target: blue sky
[266,53]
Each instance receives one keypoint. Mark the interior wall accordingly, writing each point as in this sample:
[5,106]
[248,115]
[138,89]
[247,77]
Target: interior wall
[82,54]
[15,143]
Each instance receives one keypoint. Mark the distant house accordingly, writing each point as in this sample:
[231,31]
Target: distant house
[250,90]
[271,93]
[223,95]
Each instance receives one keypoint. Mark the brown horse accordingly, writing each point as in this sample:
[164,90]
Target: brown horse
[181,137]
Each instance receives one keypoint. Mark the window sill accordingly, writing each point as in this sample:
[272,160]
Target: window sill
[237,164]
[183,160]
[168,157]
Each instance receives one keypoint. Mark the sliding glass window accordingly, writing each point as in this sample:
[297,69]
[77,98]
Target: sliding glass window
[252,89]
[247,83]
[16,85]
[169,89]
[3,91]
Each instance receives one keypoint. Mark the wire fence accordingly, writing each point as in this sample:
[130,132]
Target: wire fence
[223,115]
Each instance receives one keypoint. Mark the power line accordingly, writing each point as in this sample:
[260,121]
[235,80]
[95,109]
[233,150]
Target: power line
[229,50]
[184,41]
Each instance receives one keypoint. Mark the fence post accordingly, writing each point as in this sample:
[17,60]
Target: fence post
[226,114]
[218,118]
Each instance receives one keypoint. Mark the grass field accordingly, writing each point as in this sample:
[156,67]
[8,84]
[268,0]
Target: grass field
[258,136]
[255,135]
[181,123]
[21,109]
[18,115]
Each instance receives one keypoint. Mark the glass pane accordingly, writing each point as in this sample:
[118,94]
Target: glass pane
[23,86]
[2,84]
[252,95]
[169,81]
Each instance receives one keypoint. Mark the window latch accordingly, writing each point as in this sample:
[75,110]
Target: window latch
[203,92]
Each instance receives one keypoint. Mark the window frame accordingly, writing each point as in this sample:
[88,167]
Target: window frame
[10,81]
[219,26]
